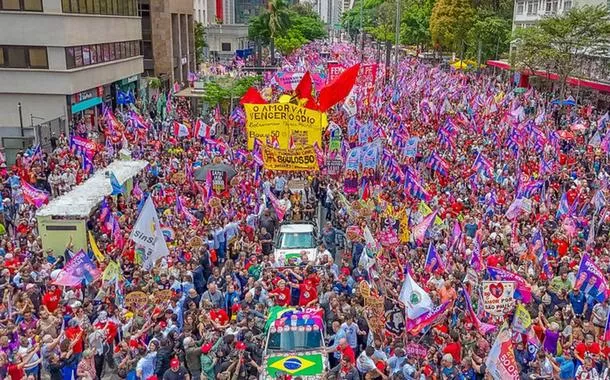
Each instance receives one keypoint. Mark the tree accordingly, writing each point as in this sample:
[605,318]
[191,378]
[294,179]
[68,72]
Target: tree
[415,23]
[298,25]
[493,35]
[222,88]
[450,22]
[199,42]
[557,42]
[277,20]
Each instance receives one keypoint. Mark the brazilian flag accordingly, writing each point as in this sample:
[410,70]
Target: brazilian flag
[295,365]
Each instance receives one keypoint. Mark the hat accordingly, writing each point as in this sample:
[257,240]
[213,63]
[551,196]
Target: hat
[448,358]
[174,363]
[240,346]
[206,348]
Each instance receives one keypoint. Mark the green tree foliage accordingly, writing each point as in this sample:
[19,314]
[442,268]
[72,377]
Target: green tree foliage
[287,27]
[493,35]
[199,42]
[415,23]
[450,23]
[556,42]
[220,89]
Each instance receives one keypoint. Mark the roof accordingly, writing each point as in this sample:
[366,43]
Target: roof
[80,201]
[293,228]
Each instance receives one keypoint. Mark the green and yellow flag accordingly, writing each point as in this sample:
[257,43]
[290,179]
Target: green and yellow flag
[295,365]
[112,272]
[96,251]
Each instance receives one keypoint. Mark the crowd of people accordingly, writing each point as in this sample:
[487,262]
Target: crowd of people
[473,177]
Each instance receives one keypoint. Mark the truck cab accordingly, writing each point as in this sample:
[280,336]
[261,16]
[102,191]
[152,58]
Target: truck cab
[294,344]
[294,239]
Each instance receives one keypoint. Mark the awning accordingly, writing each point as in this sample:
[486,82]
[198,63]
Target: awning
[599,86]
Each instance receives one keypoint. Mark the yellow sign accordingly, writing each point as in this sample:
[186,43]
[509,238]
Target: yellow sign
[136,300]
[112,271]
[281,122]
[290,159]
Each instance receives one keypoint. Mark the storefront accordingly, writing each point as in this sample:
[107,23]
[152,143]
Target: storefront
[124,87]
[85,109]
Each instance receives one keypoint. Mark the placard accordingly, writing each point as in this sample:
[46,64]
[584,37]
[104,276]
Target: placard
[136,300]
[416,350]
[498,297]
[296,159]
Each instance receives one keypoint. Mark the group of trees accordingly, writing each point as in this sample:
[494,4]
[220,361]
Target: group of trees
[285,27]
[558,43]
[461,26]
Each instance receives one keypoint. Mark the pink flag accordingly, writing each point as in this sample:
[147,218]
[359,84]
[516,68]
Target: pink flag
[419,231]
[32,195]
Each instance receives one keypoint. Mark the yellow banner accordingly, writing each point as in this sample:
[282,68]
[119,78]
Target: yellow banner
[289,159]
[275,121]
[112,272]
[425,210]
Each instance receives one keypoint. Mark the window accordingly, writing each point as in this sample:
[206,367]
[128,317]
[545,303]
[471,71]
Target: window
[70,58]
[38,58]
[93,49]
[226,46]
[11,5]
[532,7]
[74,6]
[17,57]
[106,52]
[32,5]
[86,56]
[90,6]
[65,5]
[78,56]
[96,6]
[82,6]
[567,5]
[2,62]
[548,6]
[103,8]
[520,7]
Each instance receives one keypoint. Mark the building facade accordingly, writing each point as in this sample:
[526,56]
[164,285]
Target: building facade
[61,60]
[200,12]
[527,13]
[168,40]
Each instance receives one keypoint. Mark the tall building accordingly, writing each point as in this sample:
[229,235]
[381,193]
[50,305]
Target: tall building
[168,40]
[61,60]
[227,27]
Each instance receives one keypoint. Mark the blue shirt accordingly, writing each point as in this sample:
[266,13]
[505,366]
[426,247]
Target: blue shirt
[566,368]
[578,302]
[351,333]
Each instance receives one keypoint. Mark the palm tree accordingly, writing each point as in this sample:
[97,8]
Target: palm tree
[277,20]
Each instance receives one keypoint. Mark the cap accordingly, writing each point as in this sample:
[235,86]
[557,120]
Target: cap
[174,363]
[240,346]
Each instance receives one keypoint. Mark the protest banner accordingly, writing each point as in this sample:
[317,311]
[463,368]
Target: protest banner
[284,123]
[297,184]
[416,350]
[136,300]
[80,268]
[334,166]
[501,361]
[388,238]
[290,159]
[289,81]
[410,149]
[498,297]
[162,296]
[112,272]
[219,180]
[333,70]
[32,195]
[522,320]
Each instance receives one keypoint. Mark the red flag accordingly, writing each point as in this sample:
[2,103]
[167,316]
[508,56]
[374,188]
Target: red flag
[252,96]
[303,90]
[338,89]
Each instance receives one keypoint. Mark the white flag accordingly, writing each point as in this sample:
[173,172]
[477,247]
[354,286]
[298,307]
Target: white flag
[148,236]
[416,300]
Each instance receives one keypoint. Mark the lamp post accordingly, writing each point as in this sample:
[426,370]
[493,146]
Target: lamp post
[20,119]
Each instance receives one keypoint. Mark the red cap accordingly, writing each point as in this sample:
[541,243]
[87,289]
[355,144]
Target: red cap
[174,363]
[240,346]
[163,324]
[235,307]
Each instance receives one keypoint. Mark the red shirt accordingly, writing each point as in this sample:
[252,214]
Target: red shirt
[455,349]
[110,328]
[51,300]
[307,295]
[15,372]
[72,333]
[347,351]
[583,348]
[282,297]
